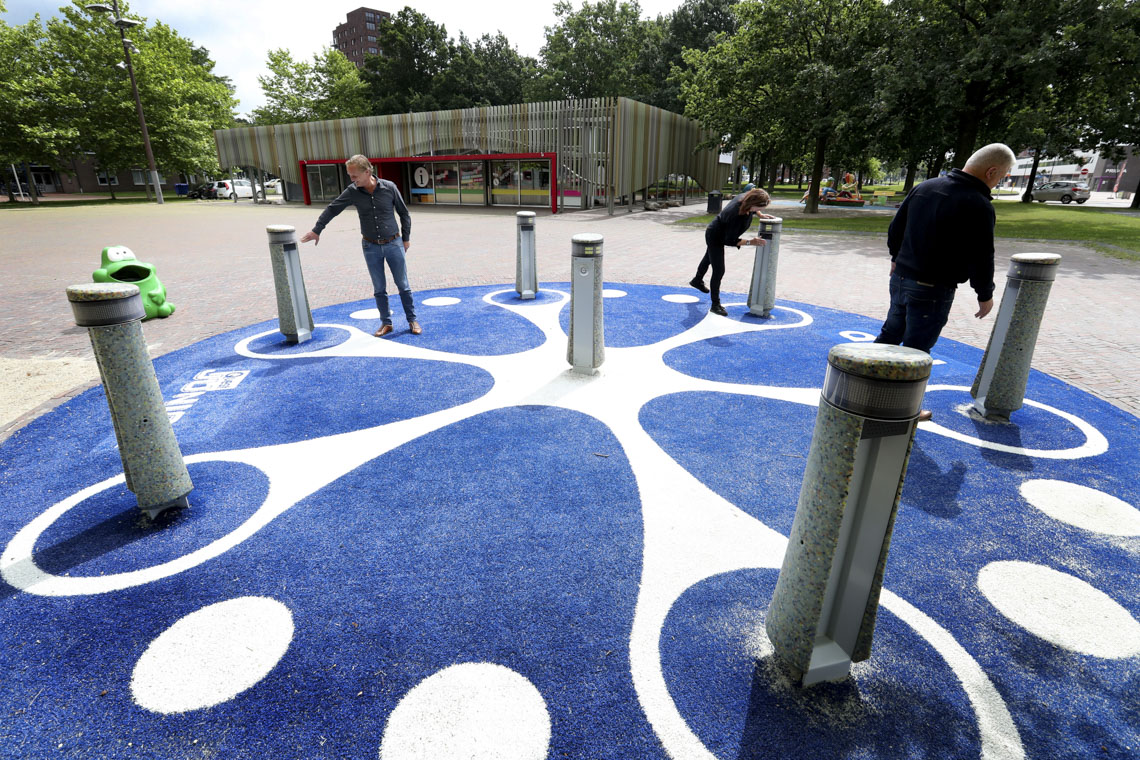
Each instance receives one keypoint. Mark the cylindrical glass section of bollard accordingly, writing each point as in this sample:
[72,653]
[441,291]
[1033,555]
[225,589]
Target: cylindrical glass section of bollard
[152,460]
[762,290]
[294,317]
[999,386]
[526,272]
[585,350]
[822,615]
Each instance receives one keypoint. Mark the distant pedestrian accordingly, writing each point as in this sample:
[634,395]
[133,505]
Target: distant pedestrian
[726,229]
[943,235]
[376,201]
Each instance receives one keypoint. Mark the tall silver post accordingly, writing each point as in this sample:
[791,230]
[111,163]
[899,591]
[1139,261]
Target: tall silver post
[152,461]
[822,615]
[762,291]
[585,349]
[999,386]
[295,319]
[526,273]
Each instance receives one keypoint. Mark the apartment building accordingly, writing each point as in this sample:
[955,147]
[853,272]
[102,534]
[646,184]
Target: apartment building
[356,37]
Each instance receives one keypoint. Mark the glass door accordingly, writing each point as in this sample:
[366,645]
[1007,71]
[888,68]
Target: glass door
[446,181]
[422,183]
[505,183]
[472,183]
[535,183]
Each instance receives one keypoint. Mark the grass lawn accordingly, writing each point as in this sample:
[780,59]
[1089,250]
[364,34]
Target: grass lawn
[1030,221]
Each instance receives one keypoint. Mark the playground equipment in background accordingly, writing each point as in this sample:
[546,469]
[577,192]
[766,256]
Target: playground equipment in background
[846,195]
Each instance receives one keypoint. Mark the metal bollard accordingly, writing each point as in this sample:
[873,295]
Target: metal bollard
[586,349]
[526,275]
[152,461]
[822,615]
[294,318]
[762,292]
[999,386]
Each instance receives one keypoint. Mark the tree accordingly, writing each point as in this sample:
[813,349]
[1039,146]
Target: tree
[594,51]
[794,67]
[696,25]
[328,88]
[416,51]
[34,103]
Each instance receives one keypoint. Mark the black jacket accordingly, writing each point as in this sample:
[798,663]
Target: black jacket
[729,226]
[944,233]
[376,211]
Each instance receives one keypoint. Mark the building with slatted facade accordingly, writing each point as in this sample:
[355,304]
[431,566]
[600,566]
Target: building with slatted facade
[563,155]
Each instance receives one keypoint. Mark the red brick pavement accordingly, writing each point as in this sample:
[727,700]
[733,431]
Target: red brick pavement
[213,259]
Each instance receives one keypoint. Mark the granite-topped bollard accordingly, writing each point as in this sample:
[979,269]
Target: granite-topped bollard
[999,386]
[762,291]
[822,615]
[526,273]
[294,318]
[585,348]
[152,460]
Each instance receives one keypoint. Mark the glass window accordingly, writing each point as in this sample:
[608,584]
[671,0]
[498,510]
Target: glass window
[446,181]
[534,183]
[371,26]
[372,50]
[138,177]
[101,178]
[505,183]
[369,15]
[372,38]
[423,188]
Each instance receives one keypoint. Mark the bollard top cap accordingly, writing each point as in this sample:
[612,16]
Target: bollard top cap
[101,291]
[525,214]
[773,220]
[880,361]
[587,238]
[279,228]
[1041,259]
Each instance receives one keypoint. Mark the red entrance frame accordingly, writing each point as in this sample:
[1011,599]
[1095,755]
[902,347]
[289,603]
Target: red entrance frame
[551,157]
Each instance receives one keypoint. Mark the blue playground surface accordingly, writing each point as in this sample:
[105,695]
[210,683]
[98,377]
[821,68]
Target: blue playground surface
[449,545]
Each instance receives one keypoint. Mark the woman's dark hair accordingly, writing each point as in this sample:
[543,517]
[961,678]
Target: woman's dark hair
[754,198]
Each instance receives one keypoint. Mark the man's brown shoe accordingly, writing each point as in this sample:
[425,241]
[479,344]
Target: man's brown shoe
[416,329]
[925,415]
[384,330]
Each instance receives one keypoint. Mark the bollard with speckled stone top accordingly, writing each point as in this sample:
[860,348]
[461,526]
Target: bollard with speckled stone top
[152,460]
[762,291]
[526,273]
[999,386]
[822,615]
[586,349]
[294,318]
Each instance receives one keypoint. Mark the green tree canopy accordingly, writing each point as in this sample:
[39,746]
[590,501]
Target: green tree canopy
[328,88]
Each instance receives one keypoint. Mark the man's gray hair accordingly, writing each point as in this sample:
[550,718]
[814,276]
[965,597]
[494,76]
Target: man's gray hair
[994,154]
[363,164]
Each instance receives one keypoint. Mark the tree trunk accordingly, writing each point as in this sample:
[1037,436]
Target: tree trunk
[812,205]
[935,166]
[969,121]
[33,191]
[1027,196]
[911,170]
[110,186]
[772,171]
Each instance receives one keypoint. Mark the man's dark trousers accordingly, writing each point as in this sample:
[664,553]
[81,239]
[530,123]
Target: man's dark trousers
[918,313]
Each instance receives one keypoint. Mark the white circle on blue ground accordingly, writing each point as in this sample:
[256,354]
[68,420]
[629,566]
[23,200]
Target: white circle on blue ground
[613,293]
[440,301]
[1061,609]
[372,313]
[212,655]
[679,298]
[1082,507]
[856,336]
[477,710]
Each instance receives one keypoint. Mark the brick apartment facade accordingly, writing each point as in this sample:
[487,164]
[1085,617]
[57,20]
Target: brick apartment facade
[356,37]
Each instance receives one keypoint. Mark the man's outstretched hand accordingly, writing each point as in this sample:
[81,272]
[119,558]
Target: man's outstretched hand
[310,235]
[984,308]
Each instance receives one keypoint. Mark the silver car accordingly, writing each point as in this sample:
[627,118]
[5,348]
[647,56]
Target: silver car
[1066,192]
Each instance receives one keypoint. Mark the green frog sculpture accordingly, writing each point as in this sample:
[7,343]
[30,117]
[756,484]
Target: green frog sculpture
[120,265]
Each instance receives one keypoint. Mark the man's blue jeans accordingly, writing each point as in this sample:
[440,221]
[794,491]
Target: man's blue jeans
[917,315]
[393,253]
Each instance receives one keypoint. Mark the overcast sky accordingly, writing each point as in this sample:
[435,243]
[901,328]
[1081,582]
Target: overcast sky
[239,32]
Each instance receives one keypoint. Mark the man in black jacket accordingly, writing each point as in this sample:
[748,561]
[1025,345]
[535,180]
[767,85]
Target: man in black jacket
[942,235]
[376,201]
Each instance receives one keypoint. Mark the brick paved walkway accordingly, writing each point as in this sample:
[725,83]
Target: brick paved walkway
[213,259]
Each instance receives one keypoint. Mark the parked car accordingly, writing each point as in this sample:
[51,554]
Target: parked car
[1066,192]
[273,186]
[206,191]
[227,188]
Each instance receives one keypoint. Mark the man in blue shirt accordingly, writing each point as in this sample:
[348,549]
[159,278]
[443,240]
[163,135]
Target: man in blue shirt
[376,201]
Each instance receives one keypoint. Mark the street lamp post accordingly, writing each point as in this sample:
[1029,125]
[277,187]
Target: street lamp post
[123,24]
